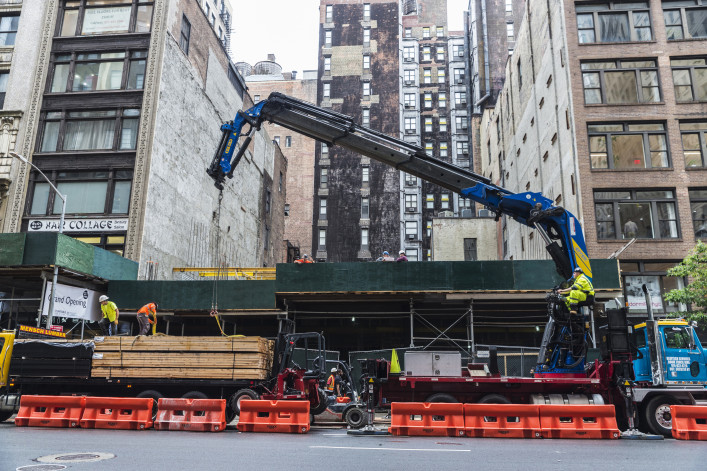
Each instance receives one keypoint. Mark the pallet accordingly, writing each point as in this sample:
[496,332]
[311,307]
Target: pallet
[180,373]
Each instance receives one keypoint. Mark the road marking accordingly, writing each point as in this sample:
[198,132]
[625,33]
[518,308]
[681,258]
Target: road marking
[381,448]
[335,435]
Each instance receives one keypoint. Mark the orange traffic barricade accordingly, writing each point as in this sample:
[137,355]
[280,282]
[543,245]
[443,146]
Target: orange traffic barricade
[578,421]
[196,415]
[425,419]
[689,422]
[274,416]
[502,420]
[120,413]
[50,411]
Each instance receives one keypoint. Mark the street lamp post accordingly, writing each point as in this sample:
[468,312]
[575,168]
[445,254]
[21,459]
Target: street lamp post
[61,229]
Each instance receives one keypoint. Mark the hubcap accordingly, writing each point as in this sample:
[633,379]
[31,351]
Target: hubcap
[663,417]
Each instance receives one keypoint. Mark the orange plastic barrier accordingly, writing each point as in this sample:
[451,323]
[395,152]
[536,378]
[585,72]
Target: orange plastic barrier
[50,411]
[425,419]
[502,420]
[578,421]
[120,413]
[196,415]
[689,422]
[274,416]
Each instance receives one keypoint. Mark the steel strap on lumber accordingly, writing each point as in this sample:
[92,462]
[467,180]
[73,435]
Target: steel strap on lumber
[502,420]
[119,413]
[274,416]
[578,421]
[424,419]
[50,411]
[689,422]
[194,415]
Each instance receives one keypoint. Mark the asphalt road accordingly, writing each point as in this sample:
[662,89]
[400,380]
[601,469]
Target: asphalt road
[332,448]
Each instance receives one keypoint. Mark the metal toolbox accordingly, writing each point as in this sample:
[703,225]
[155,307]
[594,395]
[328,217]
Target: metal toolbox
[433,364]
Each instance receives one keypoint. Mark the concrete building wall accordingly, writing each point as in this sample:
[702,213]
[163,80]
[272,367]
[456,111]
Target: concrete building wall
[449,236]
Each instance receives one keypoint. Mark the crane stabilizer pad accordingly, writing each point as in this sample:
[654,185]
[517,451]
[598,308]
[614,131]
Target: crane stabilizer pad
[368,430]
[636,435]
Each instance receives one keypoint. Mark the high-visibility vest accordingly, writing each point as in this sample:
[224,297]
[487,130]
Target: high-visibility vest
[109,311]
[330,383]
[583,284]
[148,309]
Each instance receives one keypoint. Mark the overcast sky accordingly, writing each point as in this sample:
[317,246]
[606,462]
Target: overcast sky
[289,29]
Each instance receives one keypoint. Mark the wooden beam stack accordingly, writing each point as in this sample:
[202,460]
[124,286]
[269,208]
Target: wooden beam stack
[226,358]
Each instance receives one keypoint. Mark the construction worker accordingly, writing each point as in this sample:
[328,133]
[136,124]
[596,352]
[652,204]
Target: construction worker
[401,257]
[305,259]
[109,323]
[581,293]
[331,383]
[143,317]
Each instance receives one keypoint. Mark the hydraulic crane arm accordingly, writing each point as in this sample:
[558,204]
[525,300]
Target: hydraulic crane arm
[558,227]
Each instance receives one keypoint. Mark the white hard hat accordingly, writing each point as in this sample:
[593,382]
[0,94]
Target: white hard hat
[103,298]
[333,370]
[402,251]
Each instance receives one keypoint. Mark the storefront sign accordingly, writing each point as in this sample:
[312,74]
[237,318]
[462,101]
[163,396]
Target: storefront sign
[28,331]
[106,20]
[634,293]
[79,225]
[73,302]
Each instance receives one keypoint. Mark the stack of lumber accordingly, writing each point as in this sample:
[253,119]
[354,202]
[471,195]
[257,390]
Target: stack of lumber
[226,358]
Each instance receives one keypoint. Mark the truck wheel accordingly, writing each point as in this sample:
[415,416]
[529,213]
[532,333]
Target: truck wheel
[356,417]
[4,415]
[657,415]
[156,395]
[441,397]
[493,399]
[195,395]
[236,399]
[322,403]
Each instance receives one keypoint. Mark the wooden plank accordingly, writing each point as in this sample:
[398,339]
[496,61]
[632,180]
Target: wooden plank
[181,344]
[181,359]
[183,373]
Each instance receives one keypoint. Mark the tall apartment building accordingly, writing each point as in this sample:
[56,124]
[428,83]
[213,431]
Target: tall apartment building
[262,79]
[603,110]
[127,100]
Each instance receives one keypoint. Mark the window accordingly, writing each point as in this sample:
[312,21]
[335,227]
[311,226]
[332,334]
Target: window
[8,29]
[427,75]
[366,62]
[409,100]
[365,207]
[509,6]
[443,149]
[470,250]
[409,76]
[364,237]
[464,203]
[645,214]
[322,208]
[458,50]
[409,54]
[366,117]
[366,11]
[510,36]
[184,35]
[98,192]
[520,75]
[366,36]
[428,229]
[327,64]
[323,177]
[426,53]
[460,98]
[325,151]
[458,76]
[428,100]
[256,99]
[430,201]
[3,87]
[93,17]
[276,140]
[694,143]
[280,182]
[620,81]
[266,238]
[628,145]
[653,275]
[428,124]
[410,230]
[410,203]
[462,123]
[365,175]
[690,78]
[366,88]
[326,90]
[685,19]
[322,238]
[441,76]
[411,255]
[440,54]
[410,125]
[288,141]
[327,38]
[442,124]
[429,148]
[329,15]
[90,130]
[410,180]
[698,208]
[84,72]
[208,8]
[444,201]
[408,32]
[268,200]
[462,148]
[442,98]
[613,22]
[213,21]
[426,32]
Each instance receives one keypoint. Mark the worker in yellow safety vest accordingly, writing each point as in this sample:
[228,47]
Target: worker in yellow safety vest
[143,317]
[109,323]
[581,293]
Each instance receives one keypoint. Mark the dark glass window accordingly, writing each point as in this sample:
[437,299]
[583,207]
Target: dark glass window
[96,17]
[628,145]
[185,34]
[613,22]
[690,79]
[644,214]
[694,143]
[698,207]
[8,28]
[620,81]
[685,19]
[90,130]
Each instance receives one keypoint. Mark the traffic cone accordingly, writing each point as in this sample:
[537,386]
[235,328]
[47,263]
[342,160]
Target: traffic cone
[394,363]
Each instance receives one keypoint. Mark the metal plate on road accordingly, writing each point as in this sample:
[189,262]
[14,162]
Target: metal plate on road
[79,457]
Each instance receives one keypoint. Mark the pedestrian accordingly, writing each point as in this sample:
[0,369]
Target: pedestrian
[385,257]
[581,293]
[109,323]
[401,257]
[143,317]
[630,229]
[305,259]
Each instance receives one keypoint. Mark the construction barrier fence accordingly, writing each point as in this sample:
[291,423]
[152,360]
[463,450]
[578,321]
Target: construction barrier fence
[274,416]
[689,422]
[194,415]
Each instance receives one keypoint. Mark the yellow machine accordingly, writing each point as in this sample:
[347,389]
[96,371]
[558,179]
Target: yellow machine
[7,341]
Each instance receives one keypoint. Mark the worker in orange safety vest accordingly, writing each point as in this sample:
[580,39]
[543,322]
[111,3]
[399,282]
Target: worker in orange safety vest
[143,317]
[332,385]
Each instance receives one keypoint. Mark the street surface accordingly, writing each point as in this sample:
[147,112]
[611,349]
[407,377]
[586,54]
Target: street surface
[331,448]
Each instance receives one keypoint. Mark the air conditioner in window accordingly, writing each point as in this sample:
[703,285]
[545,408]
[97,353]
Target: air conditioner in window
[410,210]
[445,214]
[467,213]
[409,107]
[485,213]
[411,236]
[465,127]
[410,183]
[460,53]
[408,59]
[410,131]
[409,82]
[463,102]
[465,153]
[459,80]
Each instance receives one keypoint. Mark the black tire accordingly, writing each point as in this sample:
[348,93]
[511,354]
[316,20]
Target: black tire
[195,395]
[321,407]
[156,395]
[4,415]
[494,399]
[239,396]
[356,417]
[657,415]
[442,397]
[230,414]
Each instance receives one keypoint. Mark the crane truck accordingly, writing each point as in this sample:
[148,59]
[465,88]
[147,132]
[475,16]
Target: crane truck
[641,387]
